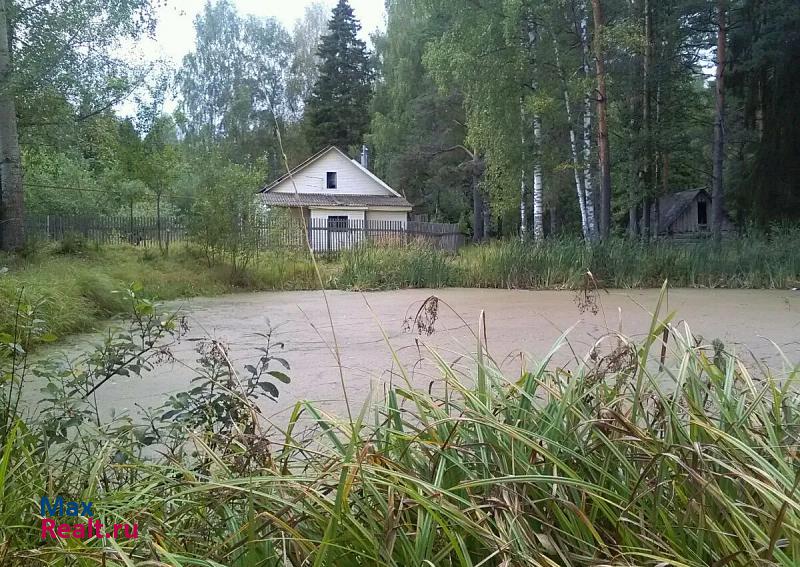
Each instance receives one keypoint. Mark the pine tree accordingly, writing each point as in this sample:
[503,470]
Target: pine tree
[337,113]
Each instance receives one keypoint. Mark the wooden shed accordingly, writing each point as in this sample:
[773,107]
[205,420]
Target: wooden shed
[686,214]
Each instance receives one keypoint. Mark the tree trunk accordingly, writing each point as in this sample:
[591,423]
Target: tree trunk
[158,221]
[604,151]
[477,208]
[523,193]
[647,116]
[647,207]
[717,191]
[12,198]
[637,184]
[538,184]
[633,219]
[487,219]
[522,187]
[573,143]
[588,185]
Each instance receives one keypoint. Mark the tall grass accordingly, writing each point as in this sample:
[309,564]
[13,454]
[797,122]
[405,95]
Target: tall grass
[375,267]
[73,291]
[758,261]
[619,461]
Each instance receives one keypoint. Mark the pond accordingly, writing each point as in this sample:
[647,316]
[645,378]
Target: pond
[521,327]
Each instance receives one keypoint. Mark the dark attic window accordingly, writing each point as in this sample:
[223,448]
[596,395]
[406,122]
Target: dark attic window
[702,213]
[331,180]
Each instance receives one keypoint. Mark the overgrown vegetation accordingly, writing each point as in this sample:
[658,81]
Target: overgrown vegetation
[72,291]
[753,261]
[618,460]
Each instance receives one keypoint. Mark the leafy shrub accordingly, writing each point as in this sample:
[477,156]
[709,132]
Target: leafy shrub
[73,243]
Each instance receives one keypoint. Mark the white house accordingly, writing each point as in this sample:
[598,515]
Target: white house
[339,198]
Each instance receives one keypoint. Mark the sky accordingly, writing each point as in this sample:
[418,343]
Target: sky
[174,36]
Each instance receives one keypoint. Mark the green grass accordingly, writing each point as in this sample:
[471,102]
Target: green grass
[616,462]
[73,292]
[748,262]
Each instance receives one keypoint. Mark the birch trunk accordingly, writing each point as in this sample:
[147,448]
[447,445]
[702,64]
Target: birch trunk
[522,219]
[12,202]
[604,150]
[538,185]
[588,185]
[719,124]
[573,141]
[523,189]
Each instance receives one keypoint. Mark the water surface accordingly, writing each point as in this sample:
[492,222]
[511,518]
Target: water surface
[521,328]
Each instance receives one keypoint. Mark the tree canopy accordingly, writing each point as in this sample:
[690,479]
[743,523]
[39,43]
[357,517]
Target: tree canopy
[485,113]
[337,113]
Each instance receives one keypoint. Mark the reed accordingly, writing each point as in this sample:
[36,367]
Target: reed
[755,261]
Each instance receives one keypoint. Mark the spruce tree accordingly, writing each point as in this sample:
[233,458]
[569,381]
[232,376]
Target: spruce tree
[337,113]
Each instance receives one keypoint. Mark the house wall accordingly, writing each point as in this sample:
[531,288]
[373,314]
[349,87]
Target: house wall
[351,180]
[324,240]
[687,222]
[392,216]
[385,227]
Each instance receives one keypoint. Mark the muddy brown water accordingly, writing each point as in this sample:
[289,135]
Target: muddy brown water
[521,328]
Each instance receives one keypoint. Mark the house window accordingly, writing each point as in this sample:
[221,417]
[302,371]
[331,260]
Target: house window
[330,181]
[702,213]
[337,224]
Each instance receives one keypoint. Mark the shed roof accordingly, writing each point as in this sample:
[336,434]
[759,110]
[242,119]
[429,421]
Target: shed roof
[672,206]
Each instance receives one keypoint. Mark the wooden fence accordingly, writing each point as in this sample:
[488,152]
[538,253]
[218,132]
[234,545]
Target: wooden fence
[137,230]
[325,235]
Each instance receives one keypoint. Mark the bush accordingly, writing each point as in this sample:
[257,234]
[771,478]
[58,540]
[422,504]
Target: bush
[72,243]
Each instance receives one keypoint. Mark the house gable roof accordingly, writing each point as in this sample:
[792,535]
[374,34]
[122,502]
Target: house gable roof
[321,154]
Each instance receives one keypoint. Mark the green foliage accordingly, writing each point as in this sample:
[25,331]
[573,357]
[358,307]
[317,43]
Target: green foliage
[756,261]
[233,85]
[337,113]
[306,36]
[66,51]
[224,218]
[416,265]
[764,78]
[220,401]
[73,293]
[462,60]
[413,122]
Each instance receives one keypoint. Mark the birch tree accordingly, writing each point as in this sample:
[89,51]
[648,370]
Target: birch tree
[591,213]
[578,174]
